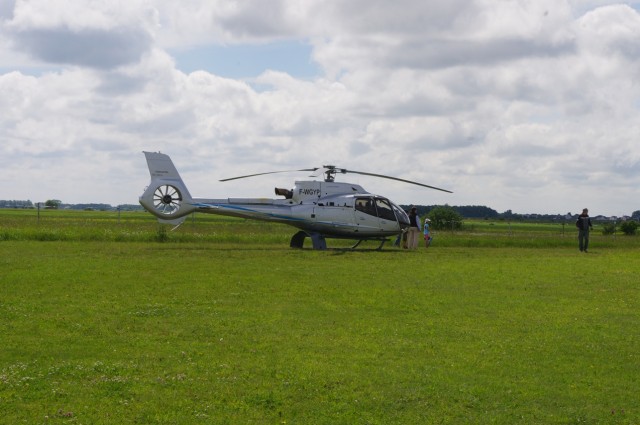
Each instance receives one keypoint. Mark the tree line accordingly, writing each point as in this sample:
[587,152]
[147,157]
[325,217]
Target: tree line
[451,218]
[466,211]
[56,204]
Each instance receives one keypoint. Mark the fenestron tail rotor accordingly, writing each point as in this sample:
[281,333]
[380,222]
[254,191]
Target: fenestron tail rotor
[167,199]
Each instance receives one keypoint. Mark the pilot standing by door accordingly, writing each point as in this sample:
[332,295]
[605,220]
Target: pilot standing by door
[414,229]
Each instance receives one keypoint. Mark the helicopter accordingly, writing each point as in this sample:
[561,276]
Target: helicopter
[319,209]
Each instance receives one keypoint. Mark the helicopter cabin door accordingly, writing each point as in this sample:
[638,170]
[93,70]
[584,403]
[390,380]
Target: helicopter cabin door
[374,214]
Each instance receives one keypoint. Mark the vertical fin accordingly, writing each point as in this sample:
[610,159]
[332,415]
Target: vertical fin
[161,166]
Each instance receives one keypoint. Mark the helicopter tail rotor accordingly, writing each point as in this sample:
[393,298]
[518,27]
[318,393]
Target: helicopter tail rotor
[167,196]
[167,199]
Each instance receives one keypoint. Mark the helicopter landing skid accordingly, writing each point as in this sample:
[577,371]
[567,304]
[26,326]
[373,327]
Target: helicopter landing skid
[379,248]
[319,241]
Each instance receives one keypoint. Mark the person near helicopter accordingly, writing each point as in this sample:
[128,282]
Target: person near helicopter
[414,229]
[584,225]
[427,233]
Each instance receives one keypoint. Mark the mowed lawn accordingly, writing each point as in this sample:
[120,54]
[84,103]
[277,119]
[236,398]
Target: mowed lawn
[98,332]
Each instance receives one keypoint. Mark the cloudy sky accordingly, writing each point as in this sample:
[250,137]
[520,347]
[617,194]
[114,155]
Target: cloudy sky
[532,106]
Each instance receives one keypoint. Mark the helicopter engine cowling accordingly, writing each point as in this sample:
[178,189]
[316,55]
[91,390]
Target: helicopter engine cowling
[312,190]
[288,194]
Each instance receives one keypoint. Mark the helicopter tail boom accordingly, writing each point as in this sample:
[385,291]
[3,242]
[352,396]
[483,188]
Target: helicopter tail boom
[167,196]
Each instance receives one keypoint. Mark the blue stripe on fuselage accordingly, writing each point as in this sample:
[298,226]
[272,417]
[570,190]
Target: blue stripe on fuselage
[240,208]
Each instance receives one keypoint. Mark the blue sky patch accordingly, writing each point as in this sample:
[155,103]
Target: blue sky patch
[249,60]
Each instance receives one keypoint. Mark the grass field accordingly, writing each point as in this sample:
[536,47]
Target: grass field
[107,319]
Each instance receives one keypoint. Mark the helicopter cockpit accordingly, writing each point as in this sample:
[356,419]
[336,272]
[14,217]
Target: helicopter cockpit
[381,208]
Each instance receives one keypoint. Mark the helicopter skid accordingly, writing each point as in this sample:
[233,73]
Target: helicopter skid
[319,241]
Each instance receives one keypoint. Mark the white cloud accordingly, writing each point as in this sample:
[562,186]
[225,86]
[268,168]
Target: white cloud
[611,30]
[77,15]
[520,105]
[93,34]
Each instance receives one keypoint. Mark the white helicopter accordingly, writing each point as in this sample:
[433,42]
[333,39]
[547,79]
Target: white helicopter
[320,209]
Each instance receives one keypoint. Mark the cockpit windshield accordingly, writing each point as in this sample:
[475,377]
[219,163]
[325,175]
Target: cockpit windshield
[402,216]
[382,208]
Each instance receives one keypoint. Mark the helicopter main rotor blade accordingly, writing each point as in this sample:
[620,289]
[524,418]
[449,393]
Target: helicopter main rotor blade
[330,170]
[342,170]
[268,172]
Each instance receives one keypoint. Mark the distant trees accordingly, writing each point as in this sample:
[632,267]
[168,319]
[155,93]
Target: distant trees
[609,228]
[445,218]
[89,207]
[468,211]
[57,204]
[52,203]
[14,203]
[629,227]
[476,211]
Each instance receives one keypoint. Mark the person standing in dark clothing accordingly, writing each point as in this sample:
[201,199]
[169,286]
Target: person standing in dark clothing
[414,228]
[584,225]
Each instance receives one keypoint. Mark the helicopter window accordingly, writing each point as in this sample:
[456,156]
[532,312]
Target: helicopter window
[384,209]
[366,206]
[402,216]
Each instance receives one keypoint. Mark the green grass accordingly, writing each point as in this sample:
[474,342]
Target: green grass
[109,226]
[223,323]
